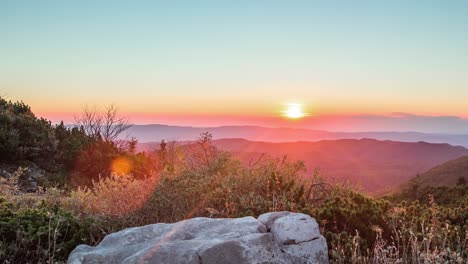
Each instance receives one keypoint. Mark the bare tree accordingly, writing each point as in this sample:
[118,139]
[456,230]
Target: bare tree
[114,125]
[202,152]
[91,121]
[107,125]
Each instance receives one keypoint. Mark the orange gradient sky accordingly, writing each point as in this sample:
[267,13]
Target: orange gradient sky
[240,62]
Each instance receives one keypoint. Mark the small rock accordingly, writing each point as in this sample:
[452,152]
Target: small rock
[295,228]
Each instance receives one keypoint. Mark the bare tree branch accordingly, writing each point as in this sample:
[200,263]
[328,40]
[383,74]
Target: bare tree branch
[107,125]
[253,164]
[114,125]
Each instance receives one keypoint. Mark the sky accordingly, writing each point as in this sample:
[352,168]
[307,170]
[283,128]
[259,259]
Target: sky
[385,63]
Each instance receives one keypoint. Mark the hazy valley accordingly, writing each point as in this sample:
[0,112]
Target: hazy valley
[369,165]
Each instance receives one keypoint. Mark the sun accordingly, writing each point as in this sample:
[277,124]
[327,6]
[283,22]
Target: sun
[294,111]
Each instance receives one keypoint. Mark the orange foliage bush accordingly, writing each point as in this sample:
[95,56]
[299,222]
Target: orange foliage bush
[116,195]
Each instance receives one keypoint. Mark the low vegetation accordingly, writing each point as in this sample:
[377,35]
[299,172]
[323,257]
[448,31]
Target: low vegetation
[92,186]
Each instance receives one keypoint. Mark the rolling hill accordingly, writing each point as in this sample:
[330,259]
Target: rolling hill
[445,174]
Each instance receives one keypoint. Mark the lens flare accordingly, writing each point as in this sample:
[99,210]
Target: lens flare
[121,166]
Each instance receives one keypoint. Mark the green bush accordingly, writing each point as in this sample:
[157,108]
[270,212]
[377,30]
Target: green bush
[348,211]
[22,135]
[42,234]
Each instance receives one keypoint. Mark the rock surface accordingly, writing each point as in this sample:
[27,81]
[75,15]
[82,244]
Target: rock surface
[278,237]
[29,178]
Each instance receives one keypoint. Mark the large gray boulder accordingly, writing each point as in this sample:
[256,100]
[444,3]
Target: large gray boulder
[278,237]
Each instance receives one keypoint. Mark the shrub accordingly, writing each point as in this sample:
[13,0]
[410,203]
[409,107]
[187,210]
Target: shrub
[22,135]
[350,212]
[115,196]
[42,234]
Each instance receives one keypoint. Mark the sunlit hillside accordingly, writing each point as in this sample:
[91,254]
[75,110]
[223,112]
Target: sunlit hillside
[369,165]
[449,173]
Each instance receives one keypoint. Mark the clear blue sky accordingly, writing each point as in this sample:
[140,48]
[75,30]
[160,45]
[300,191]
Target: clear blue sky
[237,57]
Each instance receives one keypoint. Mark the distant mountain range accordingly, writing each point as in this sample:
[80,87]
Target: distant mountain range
[156,133]
[371,165]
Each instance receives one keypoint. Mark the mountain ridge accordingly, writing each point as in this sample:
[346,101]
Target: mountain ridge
[158,132]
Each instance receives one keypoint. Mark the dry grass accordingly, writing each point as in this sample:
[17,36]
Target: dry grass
[427,241]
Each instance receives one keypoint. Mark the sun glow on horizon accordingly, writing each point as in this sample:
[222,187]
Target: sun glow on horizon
[294,111]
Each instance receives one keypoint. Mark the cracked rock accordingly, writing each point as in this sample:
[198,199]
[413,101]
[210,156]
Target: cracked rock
[279,237]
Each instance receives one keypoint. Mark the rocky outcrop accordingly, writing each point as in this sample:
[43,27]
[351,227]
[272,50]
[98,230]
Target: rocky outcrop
[21,179]
[29,178]
[278,237]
